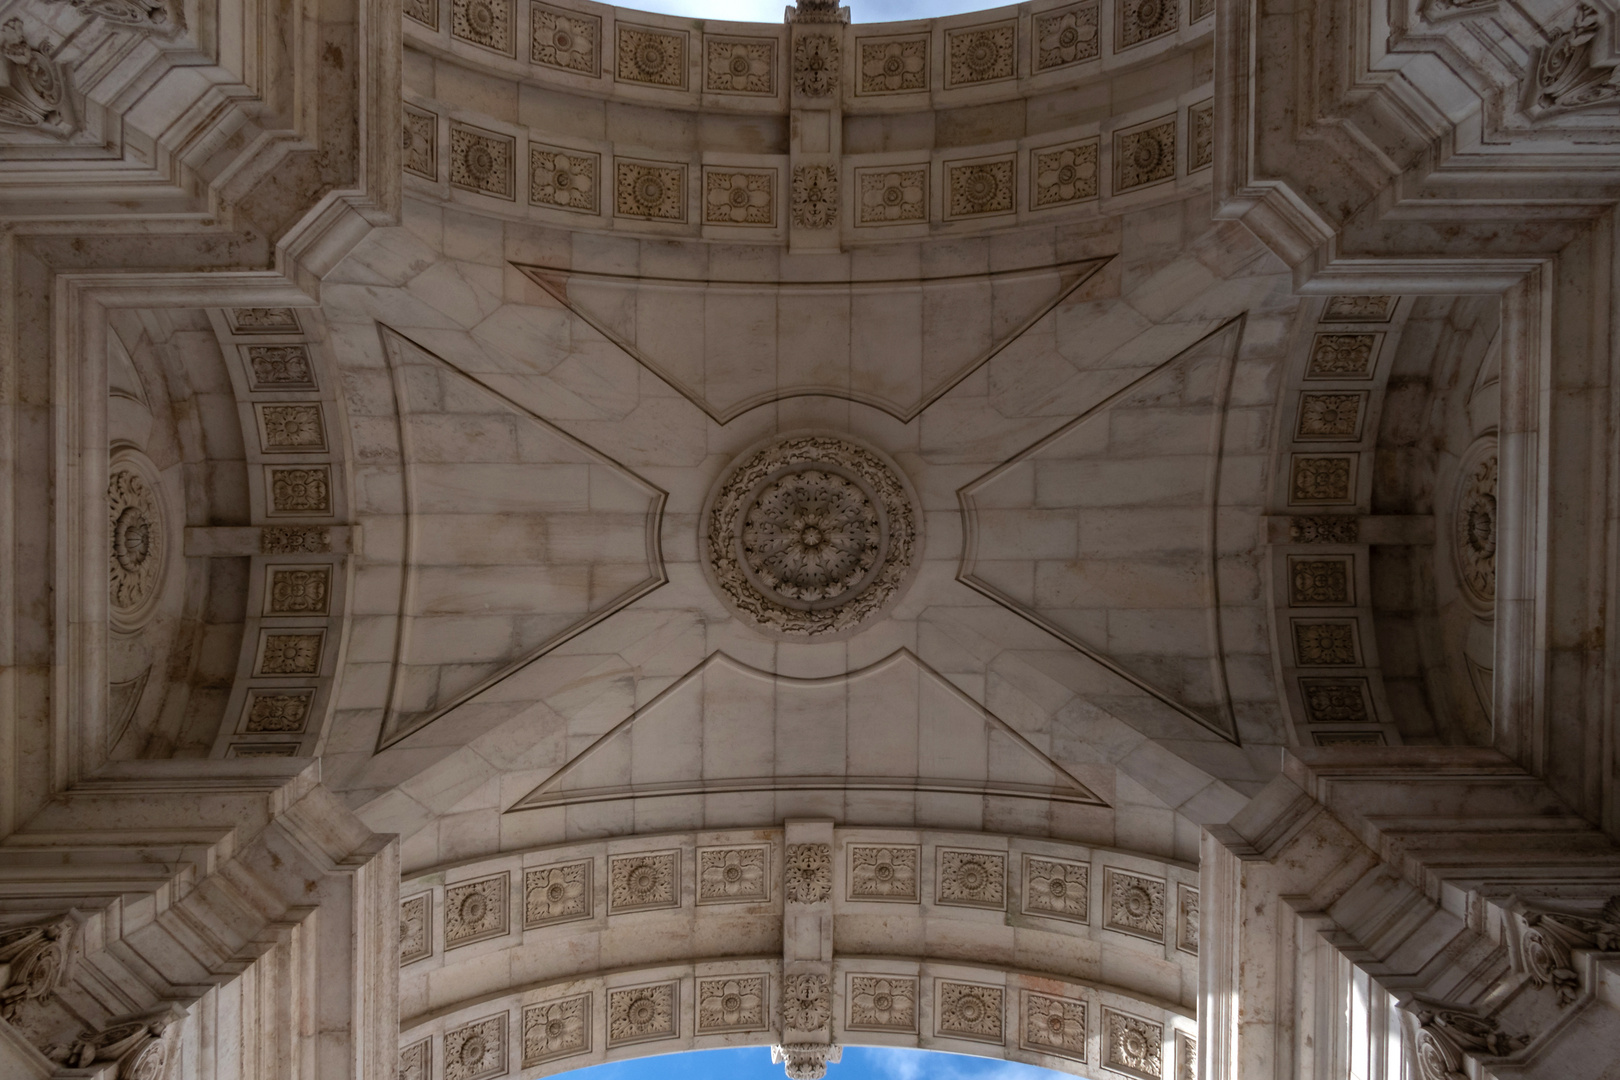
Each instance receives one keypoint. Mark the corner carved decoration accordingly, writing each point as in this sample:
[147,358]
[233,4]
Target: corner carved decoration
[138,539]
[1549,939]
[815,197]
[1474,526]
[32,959]
[807,873]
[1445,1036]
[806,1002]
[1569,74]
[812,535]
[33,86]
[815,65]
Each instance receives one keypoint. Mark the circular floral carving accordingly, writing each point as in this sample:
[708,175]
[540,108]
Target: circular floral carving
[812,534]
[136,524]
[1474,526]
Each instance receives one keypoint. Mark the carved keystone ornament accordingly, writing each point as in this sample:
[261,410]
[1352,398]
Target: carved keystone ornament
[811,535]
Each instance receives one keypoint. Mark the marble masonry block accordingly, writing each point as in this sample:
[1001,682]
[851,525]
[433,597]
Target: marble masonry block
[650,56]
[1052,1025]
[565,40]
[971,878]
[1326,642]
[483,161]
[733,875]
[415,928]
[421,143]
[644,882]
[740,1002]
[1137,22]
[971,1011]
[643,1013]
[879,1002]
[556,1029]
[1135,904]
[891,195]
[1132,1045]
[1064,174]
[739,65]
[981,54]
[1145,154]
[476,1050]
[1343,356]
[564,179]
[736,196]
[489,24]
[1065,36]
[558,893]
[1056,888]
[476,910]
[885,874]
[650,190]
[977,188]
[891,65]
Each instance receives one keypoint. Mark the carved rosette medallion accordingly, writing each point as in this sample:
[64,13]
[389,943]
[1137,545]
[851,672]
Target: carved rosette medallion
[1474,526]
[812,535]
[138,531]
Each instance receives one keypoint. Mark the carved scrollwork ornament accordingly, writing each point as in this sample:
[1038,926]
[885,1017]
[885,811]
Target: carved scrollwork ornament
[137,1046]
[1570,73]
[32,959]
[138,539]
[1446,1036]
[811,534]
[1549,941]
[1474,526]
[33,86]
[147,16]
[806,1061]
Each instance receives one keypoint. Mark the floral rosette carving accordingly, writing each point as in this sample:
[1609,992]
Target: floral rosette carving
[1474,526]
[811,535]
[137,534]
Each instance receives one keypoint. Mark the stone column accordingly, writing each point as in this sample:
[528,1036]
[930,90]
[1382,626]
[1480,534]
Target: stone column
[807,952]
[816,67]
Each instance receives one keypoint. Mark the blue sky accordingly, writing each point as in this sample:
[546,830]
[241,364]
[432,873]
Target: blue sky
[860,1063]
[770,11]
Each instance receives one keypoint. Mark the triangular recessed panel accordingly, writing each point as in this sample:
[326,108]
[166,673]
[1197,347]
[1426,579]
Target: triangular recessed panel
[518,536]
[897,345]
[725,727]
[1104,532]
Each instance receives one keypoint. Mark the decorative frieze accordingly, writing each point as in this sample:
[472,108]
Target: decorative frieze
[1201,136]
[568,41]
[1321,479]
[892,196]
[883,873]
[1324,580]
[306,490]
[476,1050]
[1342,356]
[565,179]
[292,653]
[977,188]
[1328,416]
[1369,309]
[425,12]
[647,56]
[279,367]
[1066,35]
[1138,22]
[815,197]
[557,893]
[737,1003]
[483,161]
[415,928]
[739,196]
[1186,918]
[892,65]
[263,320]
[416,1061]
[1053,1025]
[556,1029]
[972,879]
[1335,701]
[738,875]
[297,590]
[650,190]
[882,1003]
[1134,903]
[807,873]
[815,65]
[1324,529]
[485,23]
[969,1011]
[740,65]
[1057,888]
[1325,643]
[981,54]
[1132,1045]
[643,1013]
[137,548]
[475,910]
[1473,516]
[296,428]
[1145,155]
[1065,174]
[806,1001]
[295,540]
[276,711]
[643,882]
[421,143]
